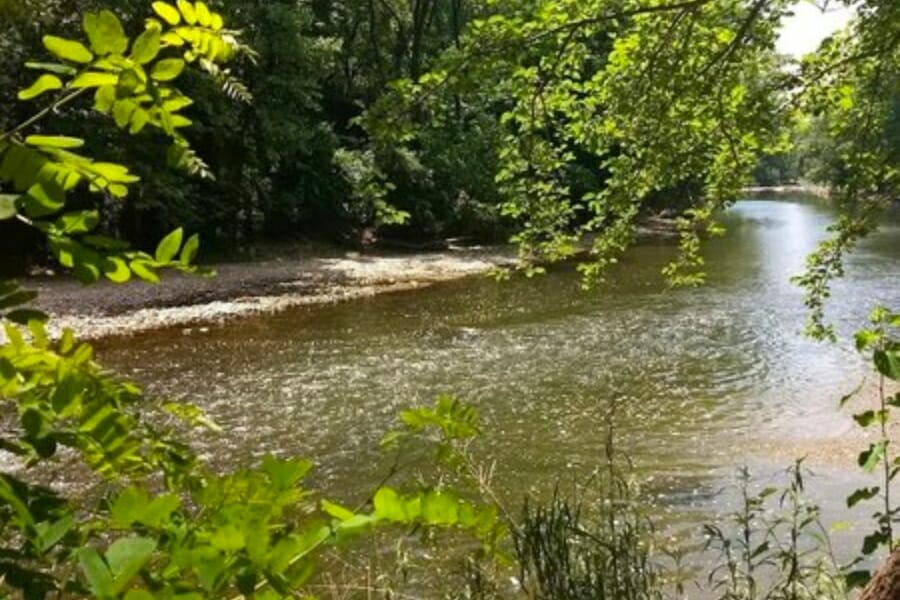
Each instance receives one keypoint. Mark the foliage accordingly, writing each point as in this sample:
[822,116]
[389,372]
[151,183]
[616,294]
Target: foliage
[134,88]
[851,90]
[773,546]
[882,344]
[774,554]
[648,96]
[163,525]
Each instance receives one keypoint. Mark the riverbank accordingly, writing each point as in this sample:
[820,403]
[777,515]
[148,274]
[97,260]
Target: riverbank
[297,277]
[809,189]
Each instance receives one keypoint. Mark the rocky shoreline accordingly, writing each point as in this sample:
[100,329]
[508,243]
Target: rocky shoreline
[798,188]
[242,289]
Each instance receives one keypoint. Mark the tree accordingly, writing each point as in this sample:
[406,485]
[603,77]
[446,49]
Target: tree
[164,526]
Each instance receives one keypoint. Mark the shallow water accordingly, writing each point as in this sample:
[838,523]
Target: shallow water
[700,378]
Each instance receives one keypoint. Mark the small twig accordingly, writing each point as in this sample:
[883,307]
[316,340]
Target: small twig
[43,113]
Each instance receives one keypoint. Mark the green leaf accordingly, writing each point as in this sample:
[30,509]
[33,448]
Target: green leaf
[189,251]
[204,17]
[105,32]
[44,83]
[168,12]
[140,595]
[44,198]
[104,98]
[118,191]
[167,69]
[114,172]
[169,246]
[872,541]
[389,505]
[57,68]
[8,208]
[866,338]
[122,112]
[160,510]
[126,557]
[146,46]
[861,495]
[54,141]
[440,508]
[188,12]
[128,506]
[285,474]
[228,539]
[91,79]
[143,270]
[354,526]
[131,82]
[116,269]
[49,534]
[139,120]
[865,419]
[888,362]
[95,571]
[177,103]
[870,458]
[81,221]
[67,49]
[337,511]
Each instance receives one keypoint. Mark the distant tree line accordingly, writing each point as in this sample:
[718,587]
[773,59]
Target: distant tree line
[295,161]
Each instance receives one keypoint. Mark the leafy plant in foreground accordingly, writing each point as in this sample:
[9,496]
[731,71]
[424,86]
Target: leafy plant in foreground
[775,548]
[882,343]
[157,522]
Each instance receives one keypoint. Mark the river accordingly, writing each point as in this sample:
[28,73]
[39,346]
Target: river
[702,379]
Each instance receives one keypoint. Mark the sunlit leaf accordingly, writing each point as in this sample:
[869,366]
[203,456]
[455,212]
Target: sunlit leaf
[144,271]
[189,250]
[78,222]
[146,46]
[168,12]
[54,141]
[169,246]
[105,32]
[45,83]
[187,11]
[67,49]
[94,79]
[204,17]
[167,69]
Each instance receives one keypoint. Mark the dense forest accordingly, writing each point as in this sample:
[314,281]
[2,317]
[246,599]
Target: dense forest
[318,152]
[297,160]
[555,125]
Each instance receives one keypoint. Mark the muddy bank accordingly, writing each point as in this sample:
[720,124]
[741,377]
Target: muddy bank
[240,289]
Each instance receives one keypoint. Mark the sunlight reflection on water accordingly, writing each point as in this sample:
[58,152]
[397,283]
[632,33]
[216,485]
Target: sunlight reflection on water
[698,375]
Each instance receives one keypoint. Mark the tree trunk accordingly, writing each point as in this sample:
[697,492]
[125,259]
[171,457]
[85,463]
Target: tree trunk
[885,585]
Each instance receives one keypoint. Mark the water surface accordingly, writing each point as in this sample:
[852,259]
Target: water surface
[701,379]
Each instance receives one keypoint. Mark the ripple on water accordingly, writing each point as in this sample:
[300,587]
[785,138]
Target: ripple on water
[695,376]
